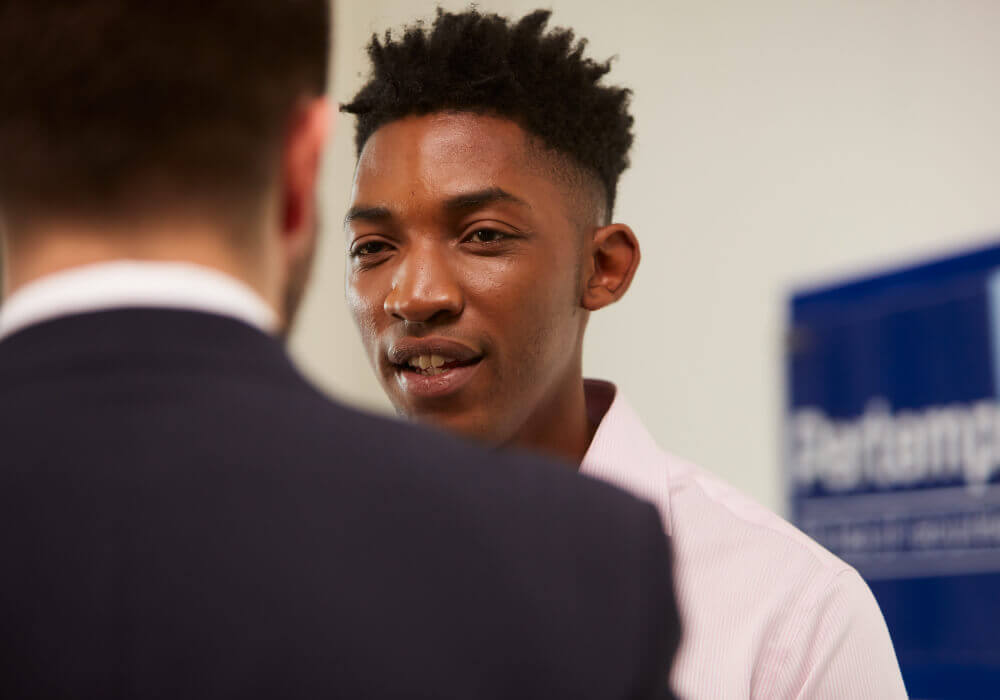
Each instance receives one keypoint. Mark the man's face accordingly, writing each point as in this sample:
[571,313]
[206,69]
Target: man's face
[465,273]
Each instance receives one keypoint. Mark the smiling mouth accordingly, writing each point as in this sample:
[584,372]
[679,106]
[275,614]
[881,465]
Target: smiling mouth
[434,365]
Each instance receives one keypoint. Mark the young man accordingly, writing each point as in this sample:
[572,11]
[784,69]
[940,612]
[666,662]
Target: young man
[181,514]
[480,239]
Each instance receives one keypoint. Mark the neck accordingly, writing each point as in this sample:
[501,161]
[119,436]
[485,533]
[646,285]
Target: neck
[44,252]
[560,426]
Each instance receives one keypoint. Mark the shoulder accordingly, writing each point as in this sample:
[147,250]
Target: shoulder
[507,490]
[743,567]
[595,556]
[705,510]
[730,548]
[712,524]
[767,611]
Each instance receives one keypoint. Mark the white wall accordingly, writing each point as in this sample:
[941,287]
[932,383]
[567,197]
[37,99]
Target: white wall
[778,143]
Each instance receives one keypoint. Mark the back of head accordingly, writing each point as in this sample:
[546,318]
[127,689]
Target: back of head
[114,108]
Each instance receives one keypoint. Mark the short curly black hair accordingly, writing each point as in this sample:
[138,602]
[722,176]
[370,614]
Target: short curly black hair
[484,63]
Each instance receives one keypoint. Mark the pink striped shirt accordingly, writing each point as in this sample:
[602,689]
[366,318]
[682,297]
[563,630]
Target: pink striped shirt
[767,612]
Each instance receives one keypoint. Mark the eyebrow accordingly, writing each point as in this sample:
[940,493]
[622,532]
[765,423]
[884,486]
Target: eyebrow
[480,198]
[367,214]
[458,203]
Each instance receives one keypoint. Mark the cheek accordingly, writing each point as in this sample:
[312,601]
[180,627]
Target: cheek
[530,308]
[500,290]
[366,306]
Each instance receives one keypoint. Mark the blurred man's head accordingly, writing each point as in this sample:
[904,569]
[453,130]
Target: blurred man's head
[123,121]
[479,232]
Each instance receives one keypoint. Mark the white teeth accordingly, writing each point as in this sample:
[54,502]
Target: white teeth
[428,364]
[420,361]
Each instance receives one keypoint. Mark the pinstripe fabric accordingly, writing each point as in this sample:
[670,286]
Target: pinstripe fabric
[767,612]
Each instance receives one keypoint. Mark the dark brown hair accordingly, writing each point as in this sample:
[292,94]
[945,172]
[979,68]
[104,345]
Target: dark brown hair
[106,105]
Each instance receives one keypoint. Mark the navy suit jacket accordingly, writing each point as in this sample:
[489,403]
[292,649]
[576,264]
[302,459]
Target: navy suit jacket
[182,515]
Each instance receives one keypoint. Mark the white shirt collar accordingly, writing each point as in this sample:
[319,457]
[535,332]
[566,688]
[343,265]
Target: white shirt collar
[134,284]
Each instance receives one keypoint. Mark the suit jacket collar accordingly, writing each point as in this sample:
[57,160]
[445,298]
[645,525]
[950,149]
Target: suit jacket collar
[145,337]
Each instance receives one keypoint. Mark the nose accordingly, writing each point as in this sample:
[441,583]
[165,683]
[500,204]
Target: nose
[424,288]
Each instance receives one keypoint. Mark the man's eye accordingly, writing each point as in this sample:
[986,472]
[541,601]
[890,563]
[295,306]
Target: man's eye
[369,248]
[487,235]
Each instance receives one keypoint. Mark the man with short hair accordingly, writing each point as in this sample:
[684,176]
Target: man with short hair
[181,514]
[480,239]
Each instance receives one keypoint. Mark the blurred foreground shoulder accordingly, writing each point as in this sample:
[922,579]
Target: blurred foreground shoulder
[587,563]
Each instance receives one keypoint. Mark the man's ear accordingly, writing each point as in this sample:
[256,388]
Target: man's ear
[301,160]
[614,252]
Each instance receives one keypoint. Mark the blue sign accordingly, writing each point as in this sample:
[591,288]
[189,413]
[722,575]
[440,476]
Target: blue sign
[893,456]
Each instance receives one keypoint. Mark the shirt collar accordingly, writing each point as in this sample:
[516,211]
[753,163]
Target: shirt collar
[132,284]
[623,452]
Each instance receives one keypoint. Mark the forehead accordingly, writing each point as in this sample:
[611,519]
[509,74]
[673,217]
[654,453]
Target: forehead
[444,153]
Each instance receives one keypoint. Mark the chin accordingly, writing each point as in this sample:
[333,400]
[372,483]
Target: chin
[470,425]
